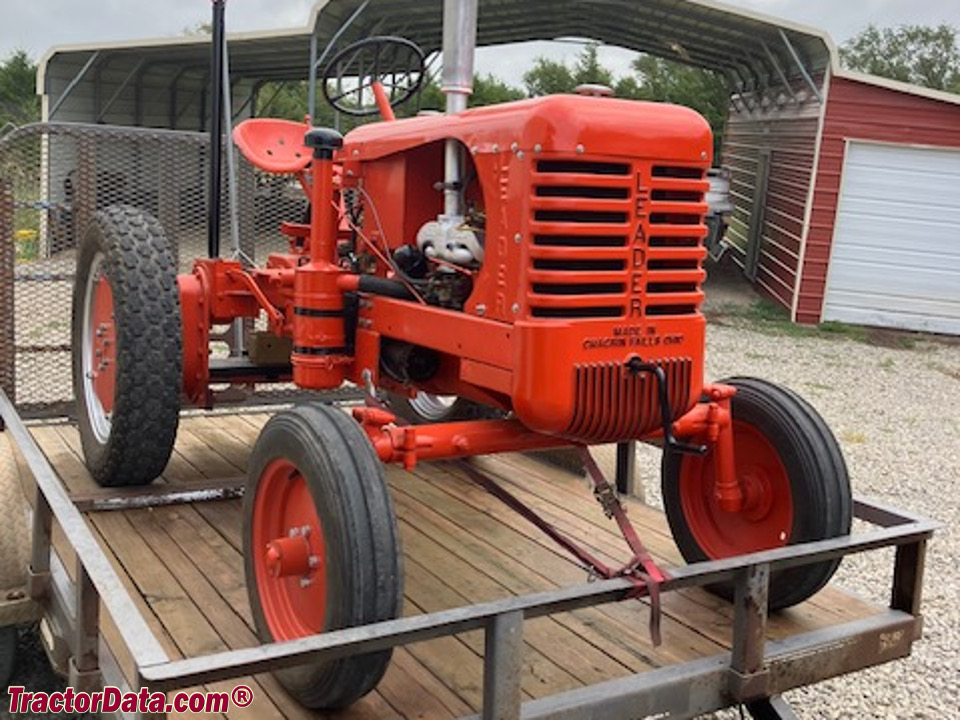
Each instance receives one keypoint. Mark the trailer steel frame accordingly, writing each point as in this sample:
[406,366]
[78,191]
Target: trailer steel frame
[755,672]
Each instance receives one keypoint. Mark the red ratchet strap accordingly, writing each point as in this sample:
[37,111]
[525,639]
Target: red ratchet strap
[642,571]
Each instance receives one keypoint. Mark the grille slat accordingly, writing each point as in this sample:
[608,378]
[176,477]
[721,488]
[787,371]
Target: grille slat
[583,277]
[614,404]
[675,241]
[582,215]
[581,202]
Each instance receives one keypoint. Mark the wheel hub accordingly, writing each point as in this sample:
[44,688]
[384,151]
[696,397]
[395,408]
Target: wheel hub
[764,520]
[99,351]
[757,496]
[291,555]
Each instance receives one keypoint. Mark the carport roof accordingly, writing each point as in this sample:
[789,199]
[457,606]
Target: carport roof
[755,51]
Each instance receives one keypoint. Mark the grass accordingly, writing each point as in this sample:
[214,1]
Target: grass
[770,318]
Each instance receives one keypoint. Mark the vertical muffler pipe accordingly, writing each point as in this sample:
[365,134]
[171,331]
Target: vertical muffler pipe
[216,128]
[459,44]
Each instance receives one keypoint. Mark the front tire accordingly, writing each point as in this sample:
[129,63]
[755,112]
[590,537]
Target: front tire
[127,347]
[795,481]
[321,549]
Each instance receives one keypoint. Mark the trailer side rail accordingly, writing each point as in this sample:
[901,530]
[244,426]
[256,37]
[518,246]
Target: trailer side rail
[755,669]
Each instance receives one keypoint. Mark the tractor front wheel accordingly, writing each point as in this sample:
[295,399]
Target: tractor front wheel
[127,356]
[795,486]
[321,550]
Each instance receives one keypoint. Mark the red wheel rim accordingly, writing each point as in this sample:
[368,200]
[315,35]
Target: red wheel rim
[103,341]
[766,519]
[289,553]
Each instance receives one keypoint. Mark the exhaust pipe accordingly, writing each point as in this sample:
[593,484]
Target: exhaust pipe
[459,43]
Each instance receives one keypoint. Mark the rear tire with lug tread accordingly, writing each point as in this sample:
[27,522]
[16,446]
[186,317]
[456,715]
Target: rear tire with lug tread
[797,490]
[127,347]
[321,548]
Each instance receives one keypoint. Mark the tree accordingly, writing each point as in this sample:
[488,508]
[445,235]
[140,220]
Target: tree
[19,102]
[918,54]
[487,90]
[662,80]
[549,77]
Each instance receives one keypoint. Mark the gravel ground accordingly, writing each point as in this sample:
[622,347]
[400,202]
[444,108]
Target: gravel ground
[894,411]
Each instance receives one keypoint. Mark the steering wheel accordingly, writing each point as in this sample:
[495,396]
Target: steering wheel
[350,79]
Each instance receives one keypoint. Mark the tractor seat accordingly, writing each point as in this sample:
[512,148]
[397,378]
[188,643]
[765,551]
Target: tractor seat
[274,145]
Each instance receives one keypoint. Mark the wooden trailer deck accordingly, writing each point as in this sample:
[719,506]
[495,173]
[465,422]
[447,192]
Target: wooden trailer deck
[182,565]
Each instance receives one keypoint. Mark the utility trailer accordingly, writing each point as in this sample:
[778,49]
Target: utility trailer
[145,588]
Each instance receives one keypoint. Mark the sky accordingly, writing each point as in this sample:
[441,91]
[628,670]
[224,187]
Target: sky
[36,25]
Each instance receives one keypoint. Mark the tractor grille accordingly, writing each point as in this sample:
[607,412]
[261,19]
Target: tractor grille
[675,231]
[612,403]
[582,212]
[593,222]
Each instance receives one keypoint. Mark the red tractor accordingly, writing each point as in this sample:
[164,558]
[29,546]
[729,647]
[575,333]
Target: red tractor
[541,258]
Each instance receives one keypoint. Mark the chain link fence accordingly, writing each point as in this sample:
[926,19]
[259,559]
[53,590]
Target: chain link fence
[53,178]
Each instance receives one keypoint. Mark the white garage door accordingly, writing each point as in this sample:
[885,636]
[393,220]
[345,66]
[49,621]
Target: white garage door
[896,245]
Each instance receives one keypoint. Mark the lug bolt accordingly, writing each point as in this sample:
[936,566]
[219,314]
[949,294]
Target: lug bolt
[293,532]
[305,582]
[313,561]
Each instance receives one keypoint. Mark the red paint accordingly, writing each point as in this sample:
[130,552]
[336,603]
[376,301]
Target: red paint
[765,518]
[104,344]
[292,590]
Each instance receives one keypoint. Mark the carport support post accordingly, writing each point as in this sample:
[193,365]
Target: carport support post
[7,324]
[502,666]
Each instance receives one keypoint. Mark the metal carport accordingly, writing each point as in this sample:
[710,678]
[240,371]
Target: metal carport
[163,83]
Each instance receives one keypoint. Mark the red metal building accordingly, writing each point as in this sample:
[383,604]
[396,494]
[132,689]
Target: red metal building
[846,204]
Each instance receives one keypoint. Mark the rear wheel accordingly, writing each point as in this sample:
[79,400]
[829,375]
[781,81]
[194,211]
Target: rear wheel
[126,347]
[320,546]
[791,471]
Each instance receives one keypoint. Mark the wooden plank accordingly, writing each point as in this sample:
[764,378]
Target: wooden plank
[215,432]
[171,604]
[156,592]
[525,567]
[700,611]
[204,458]
[452,583]
[541,675]
[830,606]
